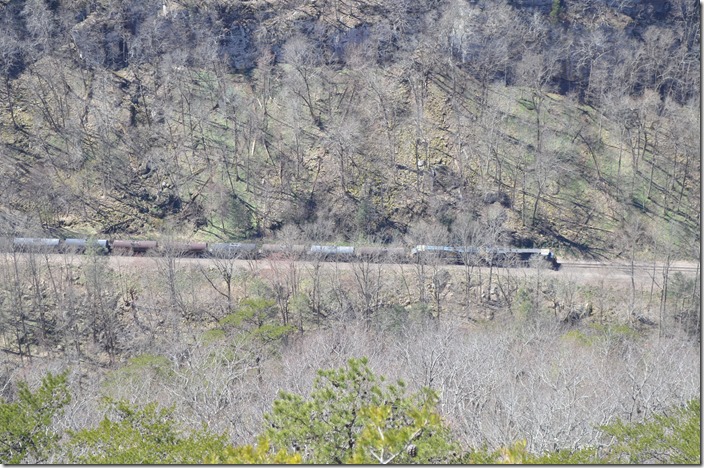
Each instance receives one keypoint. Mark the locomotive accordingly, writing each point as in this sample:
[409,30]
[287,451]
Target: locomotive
[496,256]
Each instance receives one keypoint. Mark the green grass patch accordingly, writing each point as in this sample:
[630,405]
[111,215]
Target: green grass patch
[211,336]
[527,104]
[138,368]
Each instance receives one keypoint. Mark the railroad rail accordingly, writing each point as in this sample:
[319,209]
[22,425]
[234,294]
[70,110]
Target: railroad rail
[626,266]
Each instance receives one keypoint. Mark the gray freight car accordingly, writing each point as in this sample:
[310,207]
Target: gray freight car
[31,244]
[382,254]
[291,251]
[331,252]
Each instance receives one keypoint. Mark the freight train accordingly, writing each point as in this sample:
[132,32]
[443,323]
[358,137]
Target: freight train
[496,256]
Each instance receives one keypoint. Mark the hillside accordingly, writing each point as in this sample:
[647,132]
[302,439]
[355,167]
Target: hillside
[565,124]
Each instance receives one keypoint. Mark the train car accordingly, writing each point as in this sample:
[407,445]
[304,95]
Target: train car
[183,249]
[550,257]
[507,256]
[436,252]
[467,255]
[382,254]
[280,251]
[73,245]
[496,256]
[342,253]
[233,250]
[30,244]
[133,247]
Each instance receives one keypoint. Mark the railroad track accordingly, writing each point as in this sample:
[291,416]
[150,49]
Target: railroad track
[682,267]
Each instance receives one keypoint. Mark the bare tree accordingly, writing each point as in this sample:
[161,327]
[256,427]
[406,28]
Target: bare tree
[368,279]
[300,55]
[15,311]
[10,62]
[285,284]
[221,276]
[632,239]
[343,141]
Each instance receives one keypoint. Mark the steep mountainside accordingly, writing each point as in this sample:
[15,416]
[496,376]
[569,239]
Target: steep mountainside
[569,124]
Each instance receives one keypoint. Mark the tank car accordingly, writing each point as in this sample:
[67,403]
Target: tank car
[135,247]
[275,251]
[233,250]
[337,253]
[183,249]
[382,254]
[31,244]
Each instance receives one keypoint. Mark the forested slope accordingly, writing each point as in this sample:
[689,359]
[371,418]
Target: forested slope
[571,124]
